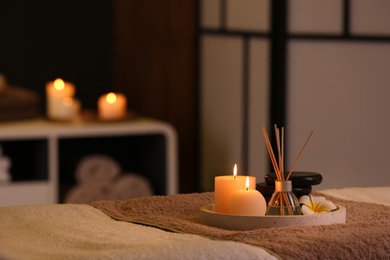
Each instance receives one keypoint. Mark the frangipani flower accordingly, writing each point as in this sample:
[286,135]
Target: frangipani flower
[315,204]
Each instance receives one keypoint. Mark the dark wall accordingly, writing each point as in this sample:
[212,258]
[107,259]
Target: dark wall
[145,49]
[155,66]
[41,40]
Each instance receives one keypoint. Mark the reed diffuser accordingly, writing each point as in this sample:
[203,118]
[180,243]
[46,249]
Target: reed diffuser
[283,200]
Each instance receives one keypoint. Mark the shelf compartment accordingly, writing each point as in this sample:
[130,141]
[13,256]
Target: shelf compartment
[29,159]
[141,154]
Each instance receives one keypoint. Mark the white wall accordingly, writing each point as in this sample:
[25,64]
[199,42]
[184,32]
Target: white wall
[341,90]
[338,88]
[222,97]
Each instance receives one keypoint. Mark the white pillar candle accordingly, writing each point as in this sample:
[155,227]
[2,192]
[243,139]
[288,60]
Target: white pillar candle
[249,202]
[69,110]
[225,186]
[59,98]
[112,106]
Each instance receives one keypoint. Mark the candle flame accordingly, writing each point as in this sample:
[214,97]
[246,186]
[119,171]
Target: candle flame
[59,84]
[235,171]
[67,101]
[111,98]
[247,183]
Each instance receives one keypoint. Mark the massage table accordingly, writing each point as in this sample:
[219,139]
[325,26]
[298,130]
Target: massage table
[168,227]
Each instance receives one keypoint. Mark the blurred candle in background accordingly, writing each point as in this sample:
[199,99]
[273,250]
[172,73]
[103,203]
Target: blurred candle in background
[60,100]
[112,106]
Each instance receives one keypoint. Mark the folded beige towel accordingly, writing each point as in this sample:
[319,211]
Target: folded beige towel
[366,234]
[17,103]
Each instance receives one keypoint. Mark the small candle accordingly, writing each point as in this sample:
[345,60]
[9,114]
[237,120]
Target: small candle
[58,97]
[68,110]
[112,106]
[226,186]
[247,202]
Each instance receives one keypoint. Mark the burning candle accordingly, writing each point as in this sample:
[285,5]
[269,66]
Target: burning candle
[112,106]
[60,102]
[247,202]
[226,186]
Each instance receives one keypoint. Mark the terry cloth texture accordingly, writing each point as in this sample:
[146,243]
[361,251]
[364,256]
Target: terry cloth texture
[365,235]
[79,231]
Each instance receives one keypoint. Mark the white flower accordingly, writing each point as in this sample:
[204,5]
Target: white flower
[315,204]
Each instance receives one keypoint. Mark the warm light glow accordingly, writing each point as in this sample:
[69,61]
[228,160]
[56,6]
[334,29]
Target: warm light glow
[59,84]
[235,171]
[111,98]
[67,101]
[247,183]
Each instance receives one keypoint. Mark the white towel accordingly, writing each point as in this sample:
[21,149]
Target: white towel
[131,185]
[87,193]
[97,169]
[124,187]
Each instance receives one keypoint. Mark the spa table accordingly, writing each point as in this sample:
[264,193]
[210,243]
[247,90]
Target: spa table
[167,227]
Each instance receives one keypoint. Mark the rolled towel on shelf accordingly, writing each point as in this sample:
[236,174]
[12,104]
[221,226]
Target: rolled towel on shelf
[99,178]
[97,169]
[131,185]
[87,193]
[5,164]
[126,186]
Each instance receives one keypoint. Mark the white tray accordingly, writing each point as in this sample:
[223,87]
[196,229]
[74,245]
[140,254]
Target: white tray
[241,222]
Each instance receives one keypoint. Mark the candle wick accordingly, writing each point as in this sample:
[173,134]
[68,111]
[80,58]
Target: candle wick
[247,188]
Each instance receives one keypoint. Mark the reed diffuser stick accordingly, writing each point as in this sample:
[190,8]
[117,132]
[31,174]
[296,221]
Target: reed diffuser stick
[271,153]
[296,160]
[277,135]
[278,165]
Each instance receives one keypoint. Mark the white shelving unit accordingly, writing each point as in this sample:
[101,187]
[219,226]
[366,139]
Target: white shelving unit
[41,150]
